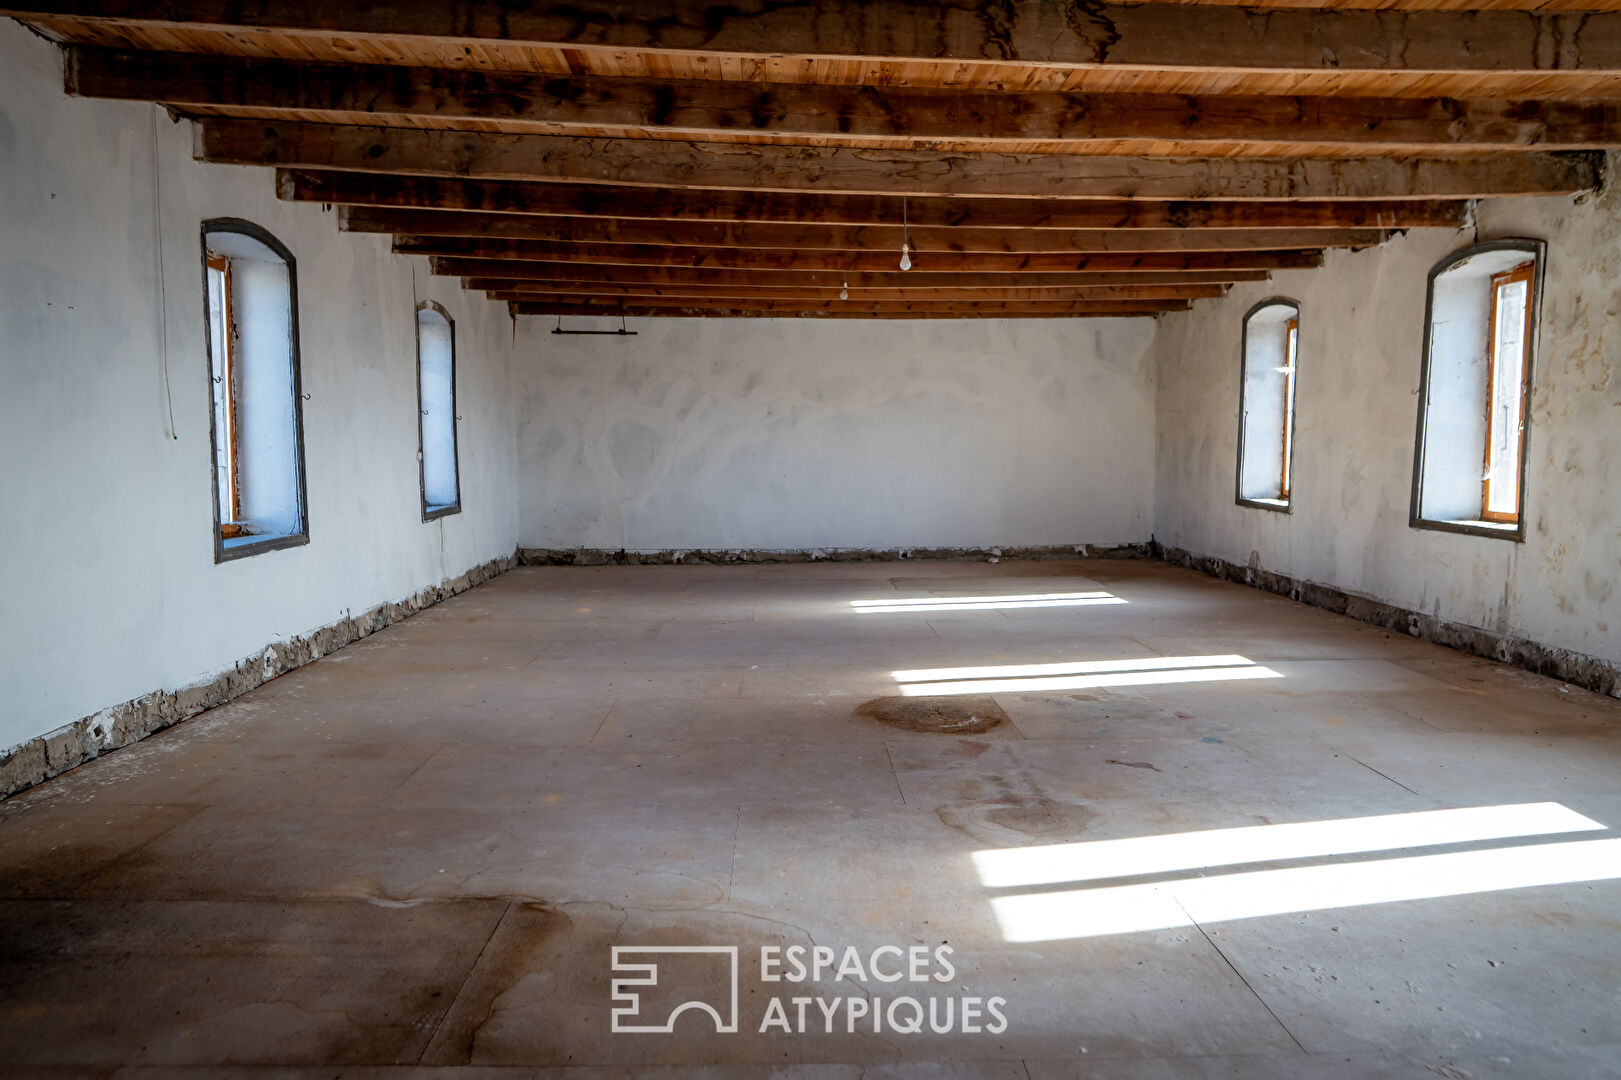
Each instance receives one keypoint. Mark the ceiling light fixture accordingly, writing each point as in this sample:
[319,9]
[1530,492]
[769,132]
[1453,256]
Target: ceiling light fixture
[906,239]
[844,293]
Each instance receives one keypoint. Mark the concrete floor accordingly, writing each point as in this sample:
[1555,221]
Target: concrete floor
[416,855]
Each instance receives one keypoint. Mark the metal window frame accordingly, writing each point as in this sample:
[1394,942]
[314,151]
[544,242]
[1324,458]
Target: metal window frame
[1281,506]
[1538,252]
[286,540]
[455,432]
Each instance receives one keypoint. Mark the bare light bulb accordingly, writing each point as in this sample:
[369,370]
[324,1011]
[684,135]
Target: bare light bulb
[906,256]
[844,293]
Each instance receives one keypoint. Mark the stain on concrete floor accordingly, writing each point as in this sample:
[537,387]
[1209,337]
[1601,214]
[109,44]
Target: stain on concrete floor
[417,854]
[962,715]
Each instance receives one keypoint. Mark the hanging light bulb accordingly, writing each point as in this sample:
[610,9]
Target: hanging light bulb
[844,293]
[906,239]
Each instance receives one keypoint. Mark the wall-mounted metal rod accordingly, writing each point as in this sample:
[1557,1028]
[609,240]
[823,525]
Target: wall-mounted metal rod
[621,332]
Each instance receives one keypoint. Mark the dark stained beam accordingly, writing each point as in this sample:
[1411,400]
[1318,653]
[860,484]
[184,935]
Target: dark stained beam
[650,294]
[518,252]
[844,171]
[1037,32]
[570,200]
[945,311]
[614,307]
[334,93]
[506,270]
[840,237]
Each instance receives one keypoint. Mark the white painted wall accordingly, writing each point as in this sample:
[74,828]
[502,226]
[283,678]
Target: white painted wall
[105,519]
[1361,335]
[805,433]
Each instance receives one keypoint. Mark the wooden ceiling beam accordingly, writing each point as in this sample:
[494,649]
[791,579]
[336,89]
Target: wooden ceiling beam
[506,270]
[569,200]
[1036,32]
[839,237]
[648,293]
[335,93]
[945,311]
[519,252]
[614,306]
[844,171]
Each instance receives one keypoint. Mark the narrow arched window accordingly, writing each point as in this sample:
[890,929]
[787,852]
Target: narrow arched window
[1475,390]
[253,366]
[436,411]
[1266,426]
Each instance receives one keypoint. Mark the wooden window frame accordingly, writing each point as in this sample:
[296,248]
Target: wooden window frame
[1291,350]
[227,384]
[247,547]
[1535,252]
[1525,272]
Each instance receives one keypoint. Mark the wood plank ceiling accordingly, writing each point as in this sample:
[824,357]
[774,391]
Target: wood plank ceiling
[771,157]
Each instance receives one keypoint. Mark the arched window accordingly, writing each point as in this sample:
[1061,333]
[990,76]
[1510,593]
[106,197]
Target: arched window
[436,411]
[257,424]
[1266,414]
[1475,390]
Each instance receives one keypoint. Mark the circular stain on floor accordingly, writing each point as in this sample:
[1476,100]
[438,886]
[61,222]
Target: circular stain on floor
[943,715]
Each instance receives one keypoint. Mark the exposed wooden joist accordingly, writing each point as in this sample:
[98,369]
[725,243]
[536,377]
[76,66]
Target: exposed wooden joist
[647,294]
[1036,32]
[840,237]
[848,308]
[614,304]
[518,252]
[334,93]
[945,311]
[510,271]
[570,200]
[836,170]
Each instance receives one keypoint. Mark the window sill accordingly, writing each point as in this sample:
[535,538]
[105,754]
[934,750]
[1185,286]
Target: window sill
[227,548]
[434,513]
[1280,506]
[1501,530]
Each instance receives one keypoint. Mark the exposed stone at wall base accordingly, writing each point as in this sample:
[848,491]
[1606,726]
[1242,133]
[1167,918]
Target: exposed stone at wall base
[73,744]
[1588,672]
[604,557]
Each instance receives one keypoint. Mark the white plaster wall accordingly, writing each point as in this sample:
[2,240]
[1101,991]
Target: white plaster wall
[1361,334]
[805,433]
[105,519]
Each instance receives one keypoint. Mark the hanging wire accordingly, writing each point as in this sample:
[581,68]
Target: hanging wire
[163,286]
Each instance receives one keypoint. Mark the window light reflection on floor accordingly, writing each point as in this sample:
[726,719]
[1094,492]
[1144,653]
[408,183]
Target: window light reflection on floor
[1079,675]
[1124,909]
[1049,864]
[983,603]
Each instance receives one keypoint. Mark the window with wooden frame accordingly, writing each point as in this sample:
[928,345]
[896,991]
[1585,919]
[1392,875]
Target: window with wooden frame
[1507,365]
[256,421]
[436,412]
[1291,348]
[1469,464]
[1266,429]
[222,334]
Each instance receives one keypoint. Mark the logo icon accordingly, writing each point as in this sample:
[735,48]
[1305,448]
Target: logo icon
[706,974]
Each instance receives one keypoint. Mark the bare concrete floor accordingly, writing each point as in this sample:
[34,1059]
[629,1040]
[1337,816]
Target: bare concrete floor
[414,858]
